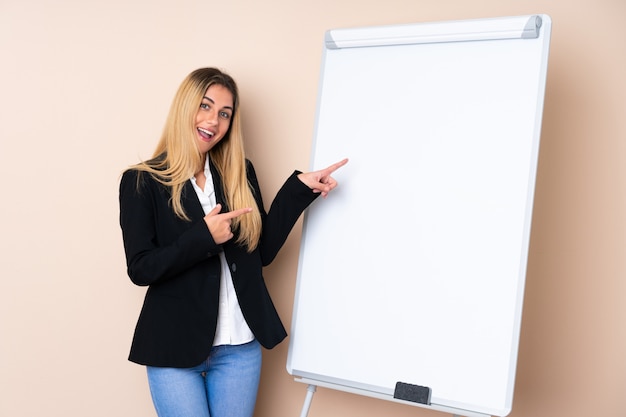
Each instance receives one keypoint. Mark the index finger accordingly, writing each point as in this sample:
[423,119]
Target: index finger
[336,166]
[236,213]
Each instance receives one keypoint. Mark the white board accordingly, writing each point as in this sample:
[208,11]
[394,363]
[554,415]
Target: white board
[413,269]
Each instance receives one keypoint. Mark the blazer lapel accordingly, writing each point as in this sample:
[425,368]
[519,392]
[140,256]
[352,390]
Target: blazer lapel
[191,203]
[190,200]
[219,188]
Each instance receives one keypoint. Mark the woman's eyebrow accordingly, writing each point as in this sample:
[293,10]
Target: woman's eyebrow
[213,102]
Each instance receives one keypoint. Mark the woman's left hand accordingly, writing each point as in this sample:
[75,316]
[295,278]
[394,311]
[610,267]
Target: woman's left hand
[321,181]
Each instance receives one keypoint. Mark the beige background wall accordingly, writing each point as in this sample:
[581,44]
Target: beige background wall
[84,90]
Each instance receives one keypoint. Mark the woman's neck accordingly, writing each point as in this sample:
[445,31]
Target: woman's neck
[199,175]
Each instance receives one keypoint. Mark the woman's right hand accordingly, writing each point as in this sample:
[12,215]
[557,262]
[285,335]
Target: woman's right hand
[219,223]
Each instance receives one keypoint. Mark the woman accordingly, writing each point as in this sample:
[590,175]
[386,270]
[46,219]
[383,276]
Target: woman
[196,233]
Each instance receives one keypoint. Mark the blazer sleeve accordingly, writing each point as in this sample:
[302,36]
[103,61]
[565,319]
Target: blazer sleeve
[158,245]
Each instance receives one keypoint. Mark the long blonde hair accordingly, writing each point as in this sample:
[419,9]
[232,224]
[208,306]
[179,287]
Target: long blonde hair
[177,158]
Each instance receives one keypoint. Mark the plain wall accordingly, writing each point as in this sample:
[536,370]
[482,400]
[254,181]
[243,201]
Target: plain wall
[84,90]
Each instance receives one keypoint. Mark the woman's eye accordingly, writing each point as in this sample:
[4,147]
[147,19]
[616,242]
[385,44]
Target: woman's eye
[225,115]
[204,106]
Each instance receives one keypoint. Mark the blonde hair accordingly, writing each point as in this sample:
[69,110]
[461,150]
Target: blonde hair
[177,157]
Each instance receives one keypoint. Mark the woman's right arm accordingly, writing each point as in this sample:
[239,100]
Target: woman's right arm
[151,255]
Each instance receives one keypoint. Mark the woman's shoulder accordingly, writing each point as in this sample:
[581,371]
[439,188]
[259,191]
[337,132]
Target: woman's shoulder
[149,167]
[143,174]
[250,168]
[134,179]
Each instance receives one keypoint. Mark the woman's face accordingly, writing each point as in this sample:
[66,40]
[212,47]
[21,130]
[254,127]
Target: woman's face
[213,117]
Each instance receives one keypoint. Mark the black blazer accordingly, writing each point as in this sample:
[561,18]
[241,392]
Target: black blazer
[178,261]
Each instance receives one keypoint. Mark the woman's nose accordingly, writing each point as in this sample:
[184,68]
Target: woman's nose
[211,117]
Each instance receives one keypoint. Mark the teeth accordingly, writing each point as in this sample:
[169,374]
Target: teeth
[206,132]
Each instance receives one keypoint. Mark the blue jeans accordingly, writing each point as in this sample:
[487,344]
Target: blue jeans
[224,385]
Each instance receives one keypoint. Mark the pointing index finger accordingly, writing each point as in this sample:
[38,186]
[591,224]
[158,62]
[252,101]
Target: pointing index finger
[336,166]
[237,213]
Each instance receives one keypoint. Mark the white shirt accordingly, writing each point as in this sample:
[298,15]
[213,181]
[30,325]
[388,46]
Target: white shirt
[232,328]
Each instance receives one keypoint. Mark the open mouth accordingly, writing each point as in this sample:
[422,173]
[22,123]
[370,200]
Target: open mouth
[206,134]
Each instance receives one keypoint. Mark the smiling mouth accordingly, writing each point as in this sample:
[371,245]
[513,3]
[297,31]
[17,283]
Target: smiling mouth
[207,135]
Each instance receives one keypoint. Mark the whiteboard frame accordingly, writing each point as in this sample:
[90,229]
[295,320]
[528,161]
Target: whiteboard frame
[519,27]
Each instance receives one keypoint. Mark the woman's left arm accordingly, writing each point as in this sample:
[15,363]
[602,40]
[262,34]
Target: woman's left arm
[296,194]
